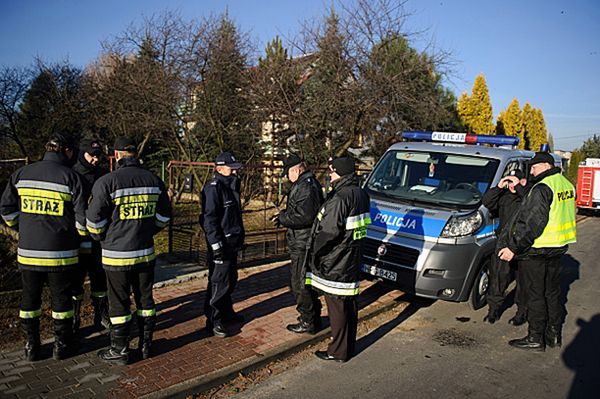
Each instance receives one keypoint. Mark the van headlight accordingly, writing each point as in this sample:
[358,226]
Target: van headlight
[465,225]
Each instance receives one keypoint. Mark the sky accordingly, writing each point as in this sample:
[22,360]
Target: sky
[545,52]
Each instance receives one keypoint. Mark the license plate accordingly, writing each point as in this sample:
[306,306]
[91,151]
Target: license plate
[375,271]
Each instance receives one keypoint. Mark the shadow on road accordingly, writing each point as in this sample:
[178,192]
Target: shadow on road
[583,357]
[416,303]
[568,275]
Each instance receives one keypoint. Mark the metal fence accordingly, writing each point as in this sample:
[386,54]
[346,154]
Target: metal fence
[263,191]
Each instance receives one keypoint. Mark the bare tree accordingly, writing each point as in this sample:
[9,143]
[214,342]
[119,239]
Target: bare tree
[14,83]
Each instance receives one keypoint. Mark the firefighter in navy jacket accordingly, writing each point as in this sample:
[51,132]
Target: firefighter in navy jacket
[221,220]
[45,201]
[334,255]
[127,208]
[303,204]
[88,167]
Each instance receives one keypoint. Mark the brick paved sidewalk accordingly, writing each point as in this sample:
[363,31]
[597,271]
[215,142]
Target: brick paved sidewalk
[185,358]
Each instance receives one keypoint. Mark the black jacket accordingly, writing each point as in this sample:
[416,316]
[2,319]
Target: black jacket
[127,208]
[90,174]
[531,220]
[221,217]
[304,200]
[46,202]
[335,249]
[503,203]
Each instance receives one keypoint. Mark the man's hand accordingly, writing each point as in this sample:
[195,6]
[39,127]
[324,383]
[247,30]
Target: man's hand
[506,254]
[275,220]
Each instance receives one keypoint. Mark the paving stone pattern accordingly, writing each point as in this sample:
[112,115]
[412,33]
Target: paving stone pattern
[182,348]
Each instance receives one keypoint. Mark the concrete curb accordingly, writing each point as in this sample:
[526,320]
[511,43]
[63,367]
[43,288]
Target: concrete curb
[202,383]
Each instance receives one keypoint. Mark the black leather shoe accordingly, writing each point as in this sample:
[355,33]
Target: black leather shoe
[553,337]
[323,355]
[518,320]
[491,317]
[528,343]
[219,330]
[301,328]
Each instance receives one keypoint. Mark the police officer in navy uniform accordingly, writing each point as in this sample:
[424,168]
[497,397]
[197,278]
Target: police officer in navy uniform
[504,201]
[45,202]
[303,204]
[543,228]
[334,256]
[88,166]
[128,207]
[221,220]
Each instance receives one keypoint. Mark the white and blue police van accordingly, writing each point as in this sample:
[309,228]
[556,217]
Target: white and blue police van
[430,235]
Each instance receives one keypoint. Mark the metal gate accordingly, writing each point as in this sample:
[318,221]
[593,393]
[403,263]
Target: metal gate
[263,191]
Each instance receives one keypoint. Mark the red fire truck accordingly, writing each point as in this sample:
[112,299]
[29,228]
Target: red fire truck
[588,184]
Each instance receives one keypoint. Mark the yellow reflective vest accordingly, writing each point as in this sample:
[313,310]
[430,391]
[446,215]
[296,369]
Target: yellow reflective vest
[560,229]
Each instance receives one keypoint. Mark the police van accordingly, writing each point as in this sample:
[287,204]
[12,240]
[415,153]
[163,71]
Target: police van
[430,234]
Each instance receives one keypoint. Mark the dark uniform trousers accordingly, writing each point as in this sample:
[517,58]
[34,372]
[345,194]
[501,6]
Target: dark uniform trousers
[60,287]
[308,304]
[90,264]
[222,279]
[501,274]
[343,316]
[120,286]
[542,282]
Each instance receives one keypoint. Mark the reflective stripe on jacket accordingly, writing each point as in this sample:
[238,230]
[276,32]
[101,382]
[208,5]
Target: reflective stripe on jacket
[335,247]
[45,201]
[128,207]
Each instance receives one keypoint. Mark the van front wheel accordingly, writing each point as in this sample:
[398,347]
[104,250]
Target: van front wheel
[478,297]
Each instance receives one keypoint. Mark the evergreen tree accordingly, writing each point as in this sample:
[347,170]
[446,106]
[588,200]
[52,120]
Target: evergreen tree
[406,92]
[52,104]
[475,111]
[464,111]
[481,107]
[510,122]
[275,53]
[591,147]
[539,135]
[577,156]
[528,126]
[223,112]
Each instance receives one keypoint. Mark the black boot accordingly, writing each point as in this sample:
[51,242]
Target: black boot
[31,328]
[145,331]
[531,342]
[492,316]
[553,337]
[76,315]
[101,319]
[64,342]
[118,352]
[519,319]
[302,327]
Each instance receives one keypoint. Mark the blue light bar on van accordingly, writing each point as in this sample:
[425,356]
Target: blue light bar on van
[468,138]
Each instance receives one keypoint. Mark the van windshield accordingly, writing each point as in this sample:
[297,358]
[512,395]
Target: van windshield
[435,177]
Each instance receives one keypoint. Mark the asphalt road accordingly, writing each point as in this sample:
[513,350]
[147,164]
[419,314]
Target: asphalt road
[445,350]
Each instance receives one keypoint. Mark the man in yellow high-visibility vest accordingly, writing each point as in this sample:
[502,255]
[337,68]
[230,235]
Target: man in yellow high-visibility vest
[539,236]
